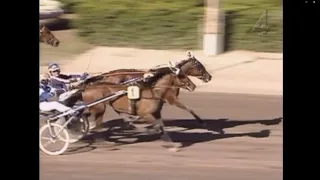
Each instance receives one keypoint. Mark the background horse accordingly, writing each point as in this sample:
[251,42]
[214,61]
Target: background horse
[47,37]
[148,106]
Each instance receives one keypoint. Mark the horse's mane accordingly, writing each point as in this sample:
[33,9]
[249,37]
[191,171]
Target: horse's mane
[157,74]
[195,61]
[160,69]
[183,62]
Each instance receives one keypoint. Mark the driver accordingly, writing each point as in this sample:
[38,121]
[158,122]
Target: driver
[59,81]
[46,95]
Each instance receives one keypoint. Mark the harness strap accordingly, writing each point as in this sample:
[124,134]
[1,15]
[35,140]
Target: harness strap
[132,108]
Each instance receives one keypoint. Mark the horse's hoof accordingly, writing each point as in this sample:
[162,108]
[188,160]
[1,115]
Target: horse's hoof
[174,149]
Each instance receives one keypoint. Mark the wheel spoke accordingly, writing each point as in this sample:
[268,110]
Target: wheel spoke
[47,143]
[46,138]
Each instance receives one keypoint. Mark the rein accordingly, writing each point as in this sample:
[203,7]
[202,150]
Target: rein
[122,86]
[122,73]
[172,87]
[158,87]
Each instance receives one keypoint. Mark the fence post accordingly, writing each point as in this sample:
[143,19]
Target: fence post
[214,28]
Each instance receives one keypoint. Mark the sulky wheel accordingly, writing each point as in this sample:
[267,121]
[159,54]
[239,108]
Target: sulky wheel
[53,145]
[77,128]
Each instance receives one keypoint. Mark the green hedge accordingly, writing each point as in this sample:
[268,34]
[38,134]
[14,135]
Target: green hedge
[159,24]
[175,24]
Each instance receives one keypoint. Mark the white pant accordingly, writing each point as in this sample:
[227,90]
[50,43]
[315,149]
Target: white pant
[54,105]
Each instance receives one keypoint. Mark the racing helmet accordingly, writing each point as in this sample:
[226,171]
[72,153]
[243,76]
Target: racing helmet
[53,67]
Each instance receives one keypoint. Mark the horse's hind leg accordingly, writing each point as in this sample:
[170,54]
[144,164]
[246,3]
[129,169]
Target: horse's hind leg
[90,116]
[97,112]
[127,121]
[129,125]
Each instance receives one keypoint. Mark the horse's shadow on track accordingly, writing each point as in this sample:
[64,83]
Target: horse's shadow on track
[218,125]
[119,135]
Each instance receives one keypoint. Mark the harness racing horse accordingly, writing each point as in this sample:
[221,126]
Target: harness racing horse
[47,37]
[190,67]
[153,92]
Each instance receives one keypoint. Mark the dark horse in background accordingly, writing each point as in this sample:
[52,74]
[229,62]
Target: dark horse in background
[47,37]
[190,66]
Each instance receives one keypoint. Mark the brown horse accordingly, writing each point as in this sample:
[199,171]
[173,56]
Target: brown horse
[190,66]
[153,92]
[47,37]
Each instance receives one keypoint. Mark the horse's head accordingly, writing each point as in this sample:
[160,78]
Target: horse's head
[193,67]
[47,37]
[182,80]
[170,76]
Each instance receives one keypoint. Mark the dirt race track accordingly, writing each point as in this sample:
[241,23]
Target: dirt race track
[243,141]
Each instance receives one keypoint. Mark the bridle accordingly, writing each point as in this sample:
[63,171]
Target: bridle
[196,64]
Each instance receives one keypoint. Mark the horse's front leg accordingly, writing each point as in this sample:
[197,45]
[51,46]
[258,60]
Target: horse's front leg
[177,103]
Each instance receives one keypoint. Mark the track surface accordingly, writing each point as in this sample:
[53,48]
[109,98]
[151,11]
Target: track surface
[249,149]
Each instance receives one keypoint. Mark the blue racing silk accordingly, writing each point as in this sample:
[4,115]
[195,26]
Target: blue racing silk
[45,92]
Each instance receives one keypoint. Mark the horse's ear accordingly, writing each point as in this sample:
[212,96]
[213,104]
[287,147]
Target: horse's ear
[42,27]
[190,54]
